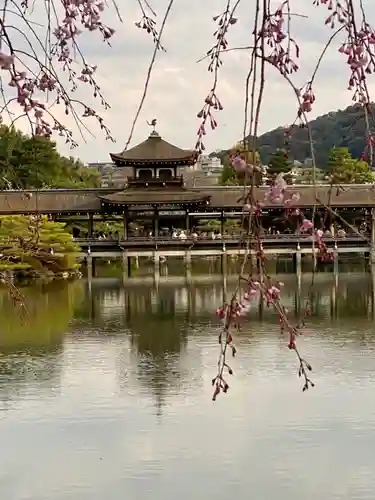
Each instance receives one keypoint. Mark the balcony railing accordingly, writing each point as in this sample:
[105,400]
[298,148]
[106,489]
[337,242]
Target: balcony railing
[156,181]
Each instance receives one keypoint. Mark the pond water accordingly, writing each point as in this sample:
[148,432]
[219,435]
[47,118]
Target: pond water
[105,393]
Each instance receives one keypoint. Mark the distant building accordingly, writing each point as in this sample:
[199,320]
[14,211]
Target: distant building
[110,174]
[209,165]
[206,172]
[305,175]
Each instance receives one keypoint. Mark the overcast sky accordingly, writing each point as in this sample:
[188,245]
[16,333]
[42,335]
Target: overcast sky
[179,85]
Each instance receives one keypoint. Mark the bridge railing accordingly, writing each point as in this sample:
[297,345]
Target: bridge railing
[233,238]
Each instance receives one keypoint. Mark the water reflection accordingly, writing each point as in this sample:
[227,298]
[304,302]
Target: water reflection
[158,335]
[348,296]
[160,323]
[31,341]
[157,324]
[129,371]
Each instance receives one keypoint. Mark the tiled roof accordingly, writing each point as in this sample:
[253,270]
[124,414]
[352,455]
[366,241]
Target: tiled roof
[356,195]
[154,150]
[154,196]
[49,201]
[90,200]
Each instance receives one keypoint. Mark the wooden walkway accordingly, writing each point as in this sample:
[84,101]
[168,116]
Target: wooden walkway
[271,243]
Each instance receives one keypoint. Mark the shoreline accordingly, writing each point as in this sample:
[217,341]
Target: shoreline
[20,275]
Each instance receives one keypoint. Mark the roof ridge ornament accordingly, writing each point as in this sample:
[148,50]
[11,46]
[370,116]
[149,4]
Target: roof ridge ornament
[153,124]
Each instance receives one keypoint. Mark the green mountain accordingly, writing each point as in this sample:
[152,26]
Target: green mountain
[343,128]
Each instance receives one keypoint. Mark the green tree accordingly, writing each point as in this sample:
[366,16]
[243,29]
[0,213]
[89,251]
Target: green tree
[30,242]
[34,162]
[228,174]
[345,169]
[278,163]
[74,174]
[337,157]
[343,128]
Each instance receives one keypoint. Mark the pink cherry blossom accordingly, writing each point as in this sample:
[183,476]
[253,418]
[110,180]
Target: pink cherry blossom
[28,83]
[306,225]
[239,164]
[275,193]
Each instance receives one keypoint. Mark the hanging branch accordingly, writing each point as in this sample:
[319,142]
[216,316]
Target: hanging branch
[32,69]
[273,45]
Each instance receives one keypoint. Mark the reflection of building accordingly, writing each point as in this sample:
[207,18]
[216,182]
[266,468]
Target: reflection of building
[112,303]
[148,308]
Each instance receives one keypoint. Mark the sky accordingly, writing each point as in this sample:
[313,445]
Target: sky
[179,84]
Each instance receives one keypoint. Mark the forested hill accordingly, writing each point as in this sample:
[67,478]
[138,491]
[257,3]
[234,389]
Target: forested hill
[336,129]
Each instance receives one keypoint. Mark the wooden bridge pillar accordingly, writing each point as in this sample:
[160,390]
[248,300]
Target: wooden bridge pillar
[126,222]
[90,226]
[156,222]
[187,221]
[222,223]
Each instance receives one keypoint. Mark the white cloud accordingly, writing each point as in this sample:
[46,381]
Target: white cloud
[179,85]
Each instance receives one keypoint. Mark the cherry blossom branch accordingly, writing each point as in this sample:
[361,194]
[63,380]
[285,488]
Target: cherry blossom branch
[148,24]
[212,103]
[272,33]
[59,51]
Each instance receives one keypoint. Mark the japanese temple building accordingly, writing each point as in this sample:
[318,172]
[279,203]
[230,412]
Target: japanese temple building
[156,187]
[156,196]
